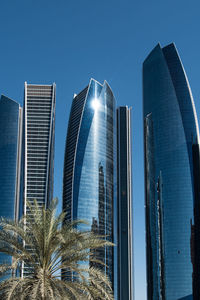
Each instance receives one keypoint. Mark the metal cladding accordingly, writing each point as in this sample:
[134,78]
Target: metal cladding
[124,203]
[38,144]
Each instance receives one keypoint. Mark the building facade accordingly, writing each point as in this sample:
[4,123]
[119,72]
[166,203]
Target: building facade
[38,145]
[124,203]
[172,173]
[10,155]
[89,174]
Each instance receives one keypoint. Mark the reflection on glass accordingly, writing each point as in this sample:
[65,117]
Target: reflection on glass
[10,146]
[98,227]
[160,236]
[172,176]
[88,182]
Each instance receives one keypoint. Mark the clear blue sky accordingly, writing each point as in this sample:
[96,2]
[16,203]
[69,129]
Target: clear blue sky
[71,41]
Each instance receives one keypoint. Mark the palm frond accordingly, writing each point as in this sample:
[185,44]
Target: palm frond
[48,246]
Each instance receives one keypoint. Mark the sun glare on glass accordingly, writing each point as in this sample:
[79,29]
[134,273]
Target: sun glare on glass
[95,104]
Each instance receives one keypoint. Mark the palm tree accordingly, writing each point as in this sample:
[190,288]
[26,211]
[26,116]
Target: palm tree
[54,247]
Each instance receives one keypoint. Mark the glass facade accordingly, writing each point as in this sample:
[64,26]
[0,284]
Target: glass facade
[88,182]
[172,174]
[10,147]
[124,201]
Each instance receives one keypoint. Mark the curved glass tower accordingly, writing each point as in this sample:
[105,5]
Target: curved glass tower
[171,142]
[88,182]
[10,148]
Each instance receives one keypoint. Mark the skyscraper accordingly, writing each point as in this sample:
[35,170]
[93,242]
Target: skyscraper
[38,144]
[124,200]
[89,175]
[10,154]
[172,172]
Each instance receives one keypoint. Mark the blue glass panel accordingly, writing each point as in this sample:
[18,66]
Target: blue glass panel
[91,140]
[171,133]
[9,130]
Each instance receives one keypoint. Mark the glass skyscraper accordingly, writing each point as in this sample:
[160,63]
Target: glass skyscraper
[172,176]
[38,144]
[89,168]
[124,203]
[10,154]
